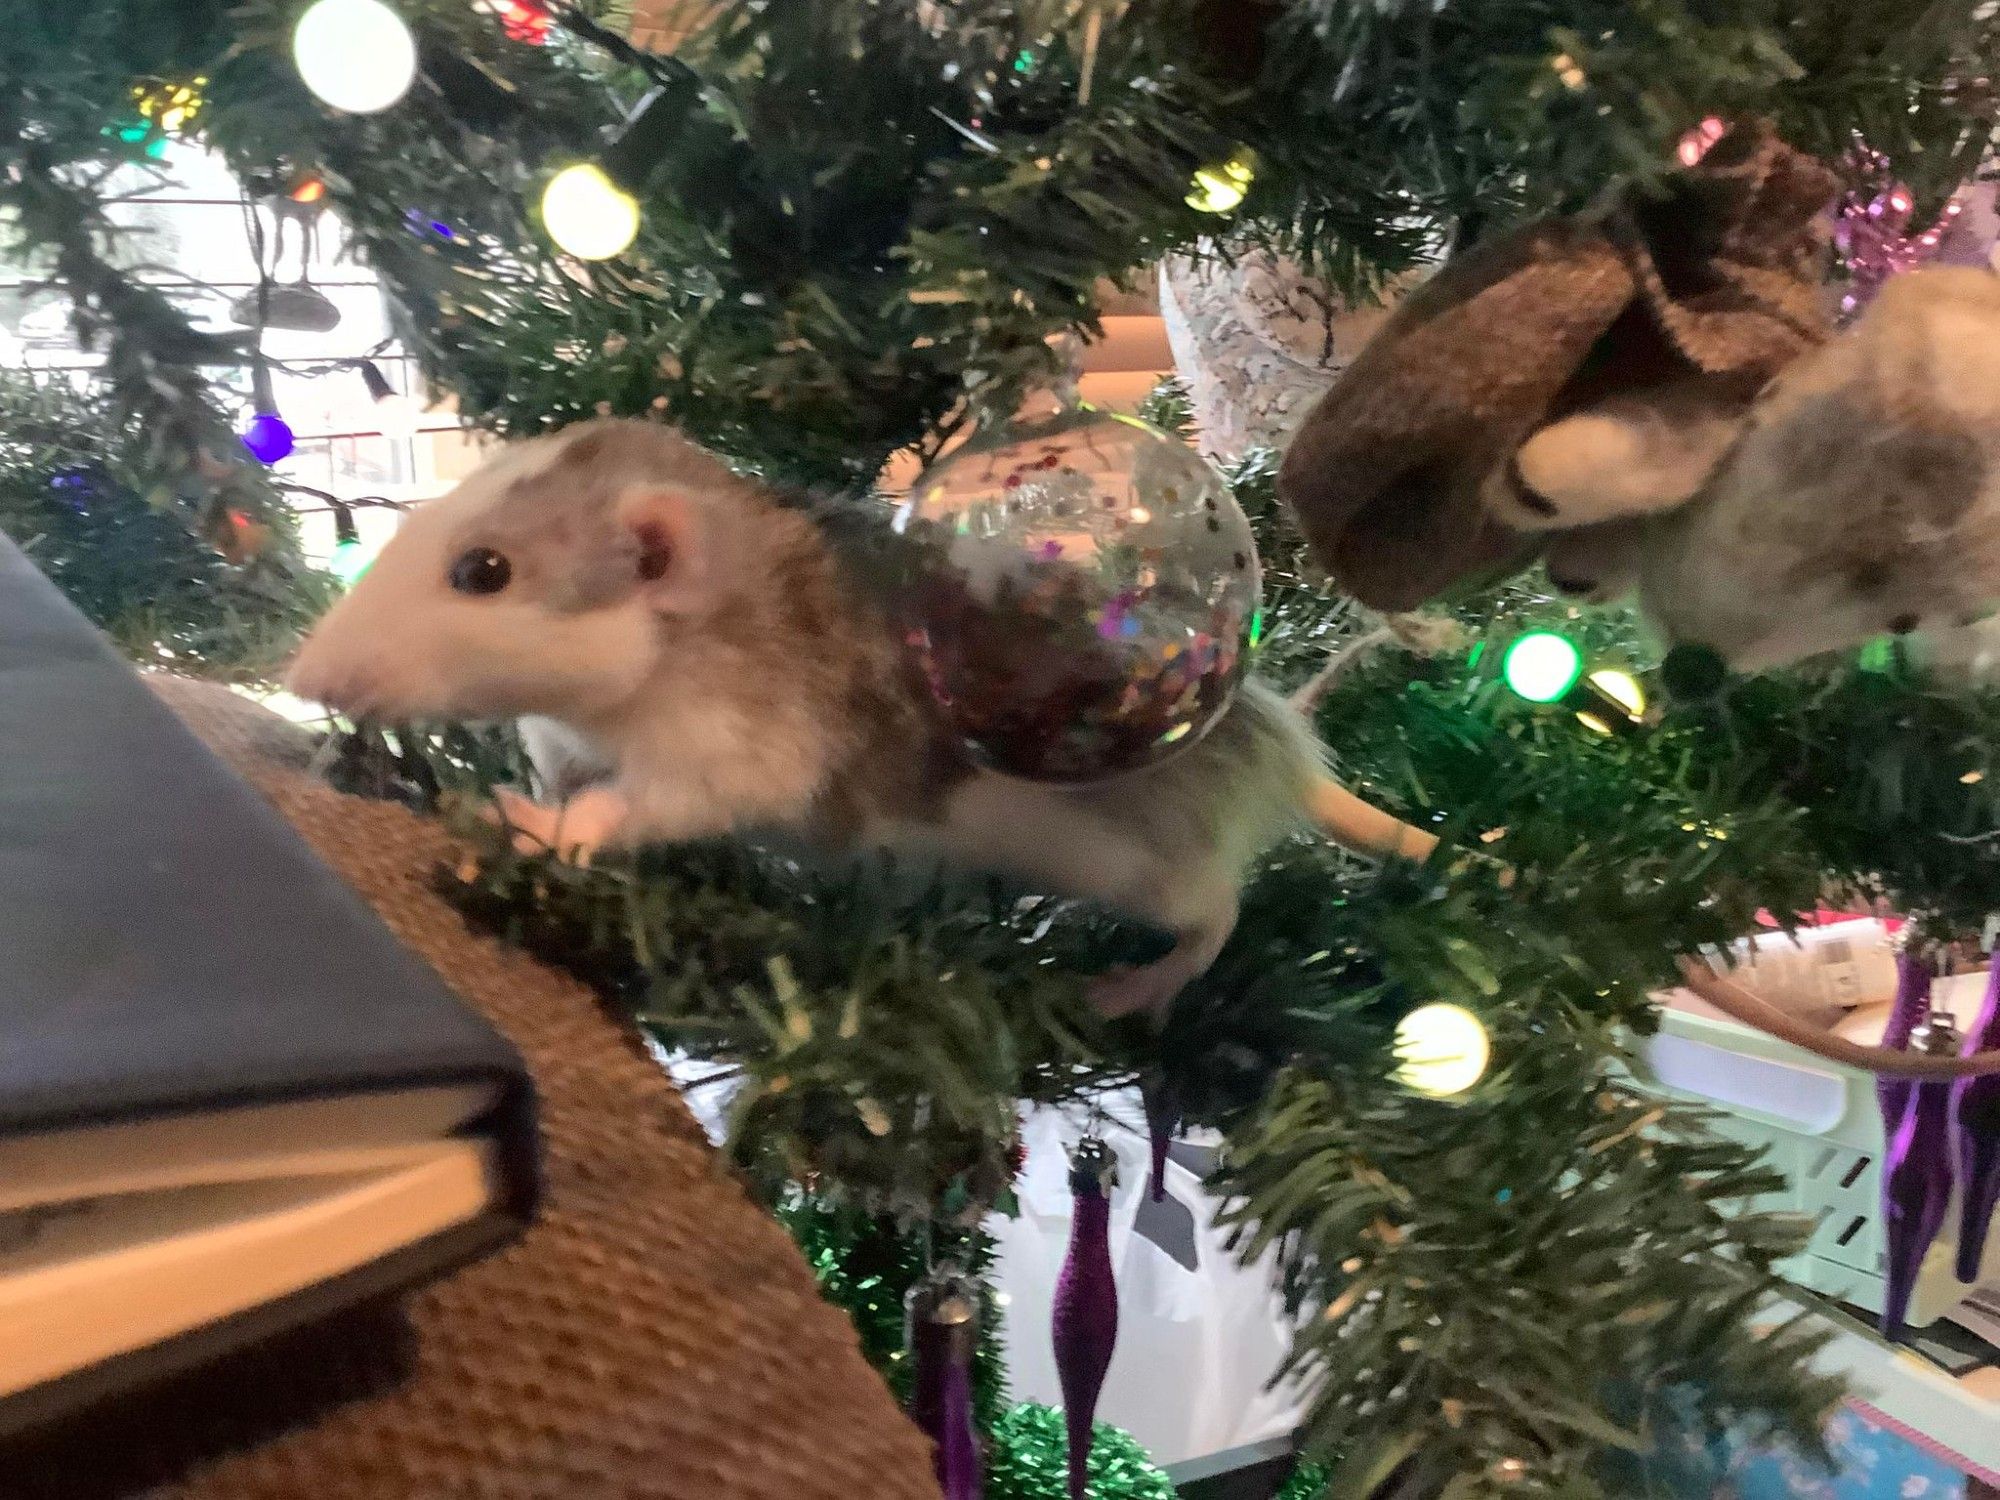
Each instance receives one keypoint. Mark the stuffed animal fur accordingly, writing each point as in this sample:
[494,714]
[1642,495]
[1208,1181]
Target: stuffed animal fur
[1633,454]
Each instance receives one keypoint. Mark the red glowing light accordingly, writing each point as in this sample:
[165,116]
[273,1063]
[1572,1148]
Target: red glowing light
[525,21]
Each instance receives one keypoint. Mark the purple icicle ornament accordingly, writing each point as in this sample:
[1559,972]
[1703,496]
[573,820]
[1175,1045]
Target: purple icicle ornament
[1085,1323]
[1911,1006]
[943,1335]
[1975,1124]
[1916,1176]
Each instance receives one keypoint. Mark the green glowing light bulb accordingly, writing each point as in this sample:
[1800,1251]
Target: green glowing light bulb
[1541,666]
[349,561]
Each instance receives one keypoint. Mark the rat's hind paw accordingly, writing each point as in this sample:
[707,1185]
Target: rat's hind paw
[1151,988]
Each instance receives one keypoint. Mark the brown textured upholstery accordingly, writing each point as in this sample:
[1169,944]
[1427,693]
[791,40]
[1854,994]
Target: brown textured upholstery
[653,1335]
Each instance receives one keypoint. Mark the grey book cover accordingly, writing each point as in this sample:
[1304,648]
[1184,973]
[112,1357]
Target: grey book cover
[168,945]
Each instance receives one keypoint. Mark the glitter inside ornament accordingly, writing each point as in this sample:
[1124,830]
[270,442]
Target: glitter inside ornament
[1080,594]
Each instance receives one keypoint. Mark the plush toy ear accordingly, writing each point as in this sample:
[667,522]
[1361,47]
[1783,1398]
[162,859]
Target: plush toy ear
[1631,455]
[669,552]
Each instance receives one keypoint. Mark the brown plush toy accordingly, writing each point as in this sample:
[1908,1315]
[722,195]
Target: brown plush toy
[1551,384]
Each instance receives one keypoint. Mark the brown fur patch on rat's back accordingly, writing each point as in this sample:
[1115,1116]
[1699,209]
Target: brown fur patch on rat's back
[898,763]
[811,618]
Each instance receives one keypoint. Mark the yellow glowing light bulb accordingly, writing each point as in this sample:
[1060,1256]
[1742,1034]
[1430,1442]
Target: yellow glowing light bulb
[171,106]
[1219,187]
[588,214]
[1442,1049]
[1621,688]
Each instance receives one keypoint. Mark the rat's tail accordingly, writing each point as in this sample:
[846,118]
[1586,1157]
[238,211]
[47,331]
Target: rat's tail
[1360,825]
[1350,821]
[1267,731]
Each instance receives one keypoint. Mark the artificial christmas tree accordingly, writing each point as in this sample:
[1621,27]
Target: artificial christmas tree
[821,233]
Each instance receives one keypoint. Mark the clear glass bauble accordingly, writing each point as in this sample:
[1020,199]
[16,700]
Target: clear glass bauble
[1081,594]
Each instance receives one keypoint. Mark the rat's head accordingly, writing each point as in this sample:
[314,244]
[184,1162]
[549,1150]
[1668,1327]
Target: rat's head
[1863,498]
[550,582]
[1838,519]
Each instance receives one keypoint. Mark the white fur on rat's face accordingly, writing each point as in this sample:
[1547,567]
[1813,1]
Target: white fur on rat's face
[1864,497]
[406,644]
[1756,613]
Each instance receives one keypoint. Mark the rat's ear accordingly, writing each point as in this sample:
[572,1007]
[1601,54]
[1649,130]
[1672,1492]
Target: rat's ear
[665,524]
[1633,454]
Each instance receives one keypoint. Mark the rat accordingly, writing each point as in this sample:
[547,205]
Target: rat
[1858,494]
[1862,497]
[695,654]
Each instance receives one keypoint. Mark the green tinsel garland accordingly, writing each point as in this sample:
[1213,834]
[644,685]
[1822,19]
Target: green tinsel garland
[1308,1482]
[1029,1460]
[866,1267]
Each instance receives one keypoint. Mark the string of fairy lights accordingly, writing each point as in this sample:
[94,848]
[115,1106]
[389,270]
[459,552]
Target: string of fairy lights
[361,57]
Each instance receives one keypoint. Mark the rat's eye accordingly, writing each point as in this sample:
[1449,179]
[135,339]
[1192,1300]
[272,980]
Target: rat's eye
[481,571]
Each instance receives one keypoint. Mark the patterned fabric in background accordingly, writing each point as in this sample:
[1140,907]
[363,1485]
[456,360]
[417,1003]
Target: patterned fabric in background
[1875,1464]
[1257,342]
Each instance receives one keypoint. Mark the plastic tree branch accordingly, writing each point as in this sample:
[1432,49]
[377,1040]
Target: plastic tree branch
[1364,828]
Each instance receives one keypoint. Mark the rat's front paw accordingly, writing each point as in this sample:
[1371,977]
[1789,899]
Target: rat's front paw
[530,825]
[573,831]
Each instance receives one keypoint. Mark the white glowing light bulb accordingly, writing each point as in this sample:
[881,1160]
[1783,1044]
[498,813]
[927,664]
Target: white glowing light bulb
[1443,1049]
[588,214]
[357,55]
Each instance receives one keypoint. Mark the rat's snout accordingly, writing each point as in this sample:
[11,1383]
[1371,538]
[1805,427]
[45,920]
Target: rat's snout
[342,663]
[321,674]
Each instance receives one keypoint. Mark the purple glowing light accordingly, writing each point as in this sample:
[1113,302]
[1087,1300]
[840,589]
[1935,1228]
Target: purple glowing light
[422,222]
[268,437]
